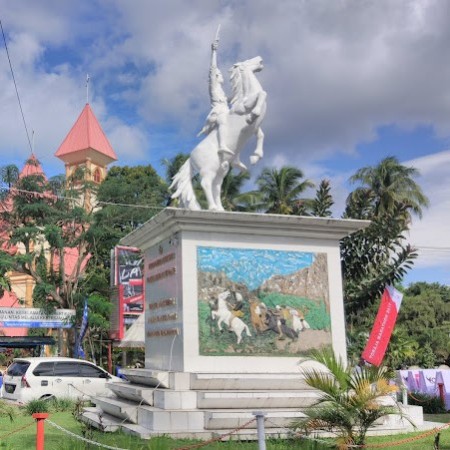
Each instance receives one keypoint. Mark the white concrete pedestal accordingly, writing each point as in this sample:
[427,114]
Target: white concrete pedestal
[283,278]
[193,256]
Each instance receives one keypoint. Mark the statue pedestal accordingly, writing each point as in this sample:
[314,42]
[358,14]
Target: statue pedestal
[278,277]
[281,276]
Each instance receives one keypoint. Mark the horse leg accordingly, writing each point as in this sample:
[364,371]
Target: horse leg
[207,186]
[258,153]
[254,104]
[260,100]
[239,336]
[217,184]
[217,199]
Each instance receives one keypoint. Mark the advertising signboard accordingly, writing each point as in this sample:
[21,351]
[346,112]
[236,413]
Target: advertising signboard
[36,318]
[127,294]
[128,265]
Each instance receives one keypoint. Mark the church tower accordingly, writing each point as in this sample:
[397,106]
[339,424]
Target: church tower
[87,147]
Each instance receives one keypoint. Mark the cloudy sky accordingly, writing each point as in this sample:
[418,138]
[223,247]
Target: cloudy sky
[349,82]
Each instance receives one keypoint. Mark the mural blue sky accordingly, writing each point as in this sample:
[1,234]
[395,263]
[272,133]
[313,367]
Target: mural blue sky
[349,83]
[251,267]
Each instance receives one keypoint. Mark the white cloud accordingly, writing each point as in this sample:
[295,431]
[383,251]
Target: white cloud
[335,73]
[430,235]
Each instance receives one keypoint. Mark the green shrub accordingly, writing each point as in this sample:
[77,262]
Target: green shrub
[38,405]
[6,410]
[62,404]
[431,404]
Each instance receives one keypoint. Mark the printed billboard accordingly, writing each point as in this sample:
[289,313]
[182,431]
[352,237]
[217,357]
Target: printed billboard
[128,269]
[36,318]
[127,290]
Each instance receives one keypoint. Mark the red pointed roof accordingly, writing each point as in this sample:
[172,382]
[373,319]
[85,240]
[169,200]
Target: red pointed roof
[86,134]
[32,167]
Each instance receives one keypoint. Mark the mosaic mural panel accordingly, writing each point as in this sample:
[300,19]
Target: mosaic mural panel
[262,302]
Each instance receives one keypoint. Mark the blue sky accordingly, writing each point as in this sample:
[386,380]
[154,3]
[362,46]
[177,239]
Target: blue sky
[349,82]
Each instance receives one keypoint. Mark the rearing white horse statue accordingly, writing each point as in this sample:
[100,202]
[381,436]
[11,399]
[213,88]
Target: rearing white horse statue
[248,108]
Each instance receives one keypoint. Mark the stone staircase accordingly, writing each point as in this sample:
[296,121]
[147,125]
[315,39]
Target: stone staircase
[205,405]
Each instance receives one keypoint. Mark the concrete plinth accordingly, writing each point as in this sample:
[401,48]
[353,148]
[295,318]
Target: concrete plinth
[234,303]
[281,273]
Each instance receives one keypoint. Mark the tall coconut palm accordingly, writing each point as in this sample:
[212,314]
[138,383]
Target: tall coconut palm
[322,203]
[231,189]
[390,186]
[280,189]
[349,400]
[379,255]
[173,165]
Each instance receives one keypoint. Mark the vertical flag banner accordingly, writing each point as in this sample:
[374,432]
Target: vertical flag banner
[79,351]
[383,326]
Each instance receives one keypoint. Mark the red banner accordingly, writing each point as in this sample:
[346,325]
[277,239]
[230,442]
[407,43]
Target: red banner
[383,326]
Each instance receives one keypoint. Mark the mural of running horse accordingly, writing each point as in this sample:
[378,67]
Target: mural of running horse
[248,108]
[224,315]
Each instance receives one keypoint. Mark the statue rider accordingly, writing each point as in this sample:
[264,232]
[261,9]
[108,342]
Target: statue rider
[218,116]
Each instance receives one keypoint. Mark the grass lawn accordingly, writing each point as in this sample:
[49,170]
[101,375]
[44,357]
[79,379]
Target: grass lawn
[55,439]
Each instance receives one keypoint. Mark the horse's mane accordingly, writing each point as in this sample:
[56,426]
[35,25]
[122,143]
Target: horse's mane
[236,83]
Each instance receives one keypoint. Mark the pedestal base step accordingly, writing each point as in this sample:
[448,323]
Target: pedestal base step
[119,408]
[135,392]
[248,381]
[255,399]
[221,420]
[97,418]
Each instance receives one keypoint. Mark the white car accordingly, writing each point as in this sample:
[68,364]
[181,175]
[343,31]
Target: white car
[31,378]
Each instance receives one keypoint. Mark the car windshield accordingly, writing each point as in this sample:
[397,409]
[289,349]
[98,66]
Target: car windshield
[18,368]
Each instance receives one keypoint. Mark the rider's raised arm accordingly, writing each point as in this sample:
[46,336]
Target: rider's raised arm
[214,46]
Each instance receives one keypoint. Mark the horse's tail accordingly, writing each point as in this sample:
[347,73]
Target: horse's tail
[182,185]
[247,330]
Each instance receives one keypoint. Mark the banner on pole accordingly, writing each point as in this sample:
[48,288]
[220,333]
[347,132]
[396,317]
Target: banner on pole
[383,326]
[79,350]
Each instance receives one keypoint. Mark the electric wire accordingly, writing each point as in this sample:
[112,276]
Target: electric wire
[422,248]
[17,90]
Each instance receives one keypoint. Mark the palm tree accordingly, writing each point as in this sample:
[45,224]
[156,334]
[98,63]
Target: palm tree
[280,189]
[379,254]
[250,201]
[322,203]
[173,165]
[231,189]
[390,187]
[349,399]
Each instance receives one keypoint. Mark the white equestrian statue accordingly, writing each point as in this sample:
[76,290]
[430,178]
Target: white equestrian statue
[227,131]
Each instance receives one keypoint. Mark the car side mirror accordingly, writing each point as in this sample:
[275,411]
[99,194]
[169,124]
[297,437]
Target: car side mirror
[104,375]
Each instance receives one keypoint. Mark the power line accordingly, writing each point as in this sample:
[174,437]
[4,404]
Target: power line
[47,194]
[142,206]
[15,85]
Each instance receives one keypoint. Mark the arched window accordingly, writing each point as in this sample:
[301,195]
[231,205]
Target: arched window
[97,175]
